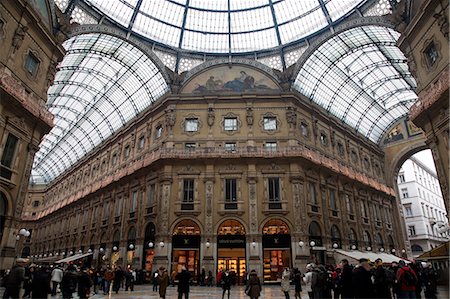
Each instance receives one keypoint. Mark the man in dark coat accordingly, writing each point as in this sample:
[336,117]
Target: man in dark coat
[184,279]
[40,286]
[84,284]
[346,280]
[15,279]
[362,281]
[253,285]
[380,282]
[69,282]
[430,281]
[118,276]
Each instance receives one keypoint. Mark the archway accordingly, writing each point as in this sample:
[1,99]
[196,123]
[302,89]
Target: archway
[336,237]
[186,247]
[115,254]
[25,252]
[149,250]
[231,248]
[353,239]
[317,251]
[131,245]
[276,248]
[367,240]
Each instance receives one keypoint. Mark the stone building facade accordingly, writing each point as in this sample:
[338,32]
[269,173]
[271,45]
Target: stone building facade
[197,179]
[28,57]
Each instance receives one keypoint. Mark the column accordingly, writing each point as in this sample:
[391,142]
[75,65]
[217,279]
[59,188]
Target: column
[207,252]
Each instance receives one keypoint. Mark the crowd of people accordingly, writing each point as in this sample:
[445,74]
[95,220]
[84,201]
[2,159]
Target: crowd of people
[365,280]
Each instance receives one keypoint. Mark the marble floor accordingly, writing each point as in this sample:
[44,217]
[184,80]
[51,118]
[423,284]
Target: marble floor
[269,292]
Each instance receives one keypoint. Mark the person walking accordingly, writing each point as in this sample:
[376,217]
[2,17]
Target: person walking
[57,275]
[84,284]
[253,288]
[163,282]
[380,281]
[155,279]
[184,279]
[286,282]
[406,280]
[429,281]
[297,283]
[108,278]
[346,279]
[69,282]
[362,281]
[40,286]
[129,280]
[118,277]
[309,276]
[15,279]
[226,283]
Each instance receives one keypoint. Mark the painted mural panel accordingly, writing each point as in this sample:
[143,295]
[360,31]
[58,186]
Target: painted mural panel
[230,79]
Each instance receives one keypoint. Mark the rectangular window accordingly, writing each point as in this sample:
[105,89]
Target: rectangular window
[312,194]
[404,192]
[401,178]
[230,147]
[114,159]
[191,125]
[188,190]
[230,194]
[412,230]
[230,124]
[304,129]
[349,204]
[274,193]
[105,210]
[270,123]
[408,210]
[431,54]
[126,152]
[333,204]
[31,64]
[151,194]
[9,150]
[141,142]
[134,200]
[118,207]
[190,146]
[270,146]
[363,209]
[158,133]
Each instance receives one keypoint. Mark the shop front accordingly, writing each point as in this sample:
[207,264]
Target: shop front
[149,251]
[186,247]
[231,243]
[276,242]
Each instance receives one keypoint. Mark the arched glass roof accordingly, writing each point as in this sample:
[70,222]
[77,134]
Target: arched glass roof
[225,26]
[101,84]
[361,77]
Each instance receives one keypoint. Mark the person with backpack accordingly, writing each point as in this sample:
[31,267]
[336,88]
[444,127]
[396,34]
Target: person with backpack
[406,279]
[253,288]
[362,281]
[380,281]
[429,281]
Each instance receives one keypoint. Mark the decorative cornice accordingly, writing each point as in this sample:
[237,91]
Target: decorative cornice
[28,101]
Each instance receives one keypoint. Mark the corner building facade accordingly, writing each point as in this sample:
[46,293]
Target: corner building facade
[227,180]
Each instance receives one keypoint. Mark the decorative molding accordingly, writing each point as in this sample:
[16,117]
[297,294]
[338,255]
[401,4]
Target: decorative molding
[231,115]
[183,124]
[277,119]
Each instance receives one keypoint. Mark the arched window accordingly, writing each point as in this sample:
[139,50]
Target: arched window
[391,242]
[315,233]
[379,240]
[231,227]
[132,233]
[367,239]
[275,226]
[416,248]
[353,238]
[336,236]
[186,227]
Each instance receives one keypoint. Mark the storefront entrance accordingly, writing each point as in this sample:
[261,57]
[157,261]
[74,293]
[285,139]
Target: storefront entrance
[277,250]
[231,249]
[186,248]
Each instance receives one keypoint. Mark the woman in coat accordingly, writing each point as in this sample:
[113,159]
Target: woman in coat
[285,282]
[163,282]
[253,289]
[297,282]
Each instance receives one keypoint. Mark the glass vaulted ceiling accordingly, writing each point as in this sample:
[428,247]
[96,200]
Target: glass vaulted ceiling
[361,77]
[225,26]
[101,84]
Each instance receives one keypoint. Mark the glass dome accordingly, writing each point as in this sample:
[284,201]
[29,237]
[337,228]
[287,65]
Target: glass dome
[225,26]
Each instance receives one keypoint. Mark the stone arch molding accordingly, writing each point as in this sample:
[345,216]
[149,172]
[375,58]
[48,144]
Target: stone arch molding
[230,62]
[346,25]
[221,221]
[116,32]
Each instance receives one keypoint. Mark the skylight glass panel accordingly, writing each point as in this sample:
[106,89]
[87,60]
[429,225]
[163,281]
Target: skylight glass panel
[250,20]
[163,10]
[207,21]
[157,30]
[338,8]
[245,4]
[96,100]
[210,42]
[254,41]
[301,27]
[119,10]
[289,10]
[354,77]
[208,4]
